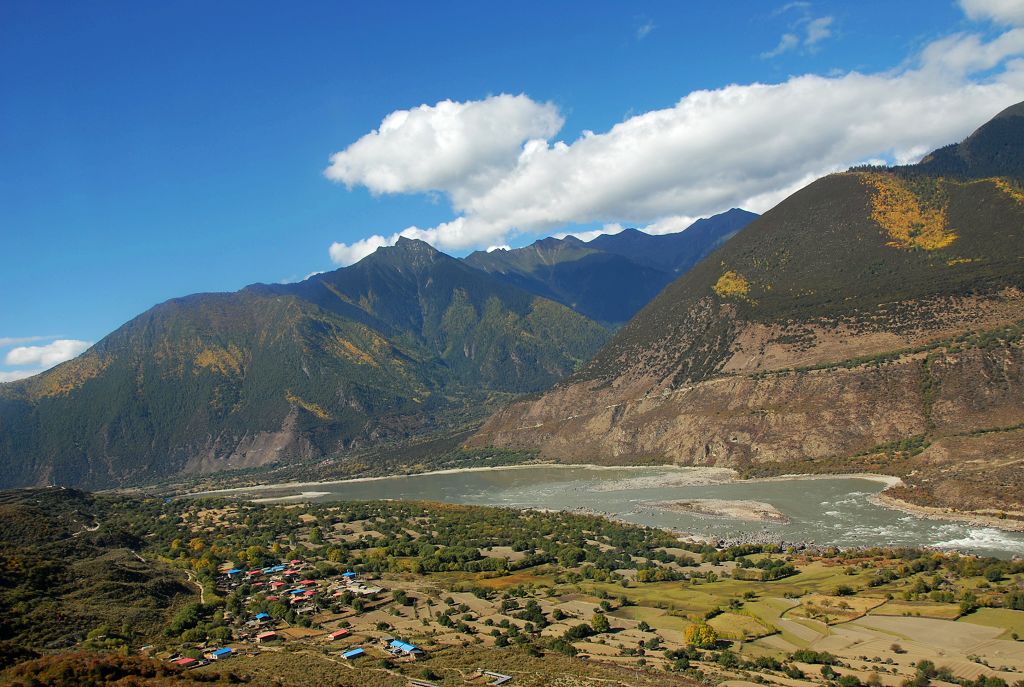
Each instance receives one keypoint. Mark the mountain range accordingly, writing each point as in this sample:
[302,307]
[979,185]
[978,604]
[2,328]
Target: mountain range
[870,321]
[611,277]
[407,342]
[385,348]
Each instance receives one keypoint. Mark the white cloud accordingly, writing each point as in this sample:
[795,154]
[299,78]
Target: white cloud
[743,145]
[450,146]
[46,356]
[491,249]
[461,232]
[967,53]
[591,234]
[1009,12]
[669,225]
[645,29]
[345,254]
[792,6]
[789,41]
[818,30]
[6,341]
[294,279]
[15,375]
[806,32]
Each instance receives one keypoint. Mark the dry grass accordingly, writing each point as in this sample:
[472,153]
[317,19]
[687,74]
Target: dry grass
[924,609]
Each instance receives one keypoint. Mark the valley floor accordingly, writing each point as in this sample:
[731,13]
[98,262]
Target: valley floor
[414,593]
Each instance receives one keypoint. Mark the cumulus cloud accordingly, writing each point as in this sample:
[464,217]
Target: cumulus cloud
[346,254]
[669,225]
[48,355]
[742,145]
[1009,12]
[15,375]
[967,53]
[450,146]
[6,341]
[591,234]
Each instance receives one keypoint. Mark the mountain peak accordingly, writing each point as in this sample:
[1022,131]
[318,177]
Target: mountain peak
[408,244]
[628,231]
[405,252]
[547,242]
[1016,110]
[995,149]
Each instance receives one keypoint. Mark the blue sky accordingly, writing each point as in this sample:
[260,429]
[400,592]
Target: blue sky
[153,150]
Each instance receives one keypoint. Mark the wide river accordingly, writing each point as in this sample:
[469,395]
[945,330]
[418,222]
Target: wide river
[820,511]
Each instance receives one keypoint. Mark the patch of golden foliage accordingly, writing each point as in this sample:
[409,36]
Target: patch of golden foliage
[349,350]
[1005,186]
[67,376]
[307,406]
[897,210]
[225,361]
[732,285]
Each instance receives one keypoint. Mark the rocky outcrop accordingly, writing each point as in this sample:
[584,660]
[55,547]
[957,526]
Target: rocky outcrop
[773,411]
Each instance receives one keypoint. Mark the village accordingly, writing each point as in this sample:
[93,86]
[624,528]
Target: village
[789,618]
[400,594]
[285,585]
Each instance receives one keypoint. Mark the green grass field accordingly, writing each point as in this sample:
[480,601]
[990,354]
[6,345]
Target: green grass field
[655,617]
[1011,621]
[739,626]
[924,609]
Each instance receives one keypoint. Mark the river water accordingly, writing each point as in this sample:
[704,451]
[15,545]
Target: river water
[820,511]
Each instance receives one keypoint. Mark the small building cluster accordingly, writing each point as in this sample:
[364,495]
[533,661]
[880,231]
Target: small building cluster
[296,585]
[400,649]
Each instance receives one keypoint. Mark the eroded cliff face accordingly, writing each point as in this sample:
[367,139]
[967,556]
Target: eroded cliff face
[729,421]
[809,396]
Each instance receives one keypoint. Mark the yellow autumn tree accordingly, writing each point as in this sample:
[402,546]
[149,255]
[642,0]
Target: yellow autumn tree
[732,284]
[701,635]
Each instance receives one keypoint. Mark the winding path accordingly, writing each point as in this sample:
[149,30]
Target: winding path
[192,578]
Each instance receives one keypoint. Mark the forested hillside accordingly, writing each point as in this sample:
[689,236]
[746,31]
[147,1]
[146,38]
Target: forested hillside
[408,341]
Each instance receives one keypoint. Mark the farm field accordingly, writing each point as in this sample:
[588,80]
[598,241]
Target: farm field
[385,593]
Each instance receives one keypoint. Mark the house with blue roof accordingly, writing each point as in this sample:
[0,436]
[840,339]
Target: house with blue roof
[398,647]
[353,653]
[262,616]
[219,654]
